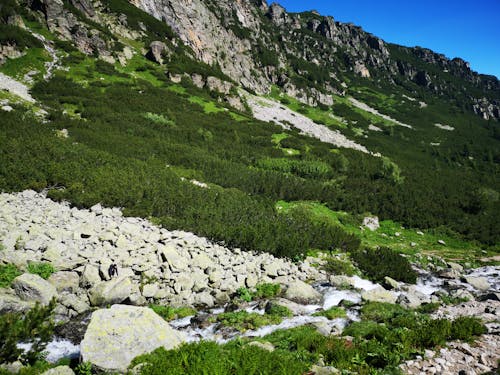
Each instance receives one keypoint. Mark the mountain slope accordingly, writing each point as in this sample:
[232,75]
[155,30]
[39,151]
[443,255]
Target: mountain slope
[150,116]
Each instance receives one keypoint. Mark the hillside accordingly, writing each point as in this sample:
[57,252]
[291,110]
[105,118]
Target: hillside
[277,136]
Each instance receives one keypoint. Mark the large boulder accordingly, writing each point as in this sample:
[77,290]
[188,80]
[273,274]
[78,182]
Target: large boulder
[31,287]
[65,281]
[480,283]
[59,370]
[379,294]
[300,292]
[117,335]
[9,302]
[110,292]
[156,51]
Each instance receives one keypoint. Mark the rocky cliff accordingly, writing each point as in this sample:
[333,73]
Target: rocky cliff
[309,55]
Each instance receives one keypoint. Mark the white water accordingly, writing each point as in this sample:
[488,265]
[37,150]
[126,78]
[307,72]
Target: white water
[426,284]
[333,297]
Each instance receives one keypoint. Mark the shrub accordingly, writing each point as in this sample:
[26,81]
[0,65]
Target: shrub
[266,290]
[336,266]
[34,327]
[382,312]
[244,294]
[383,262]
[466,327]
[8,273]
[44,270]
[243,320]
[281,311]
[228,359]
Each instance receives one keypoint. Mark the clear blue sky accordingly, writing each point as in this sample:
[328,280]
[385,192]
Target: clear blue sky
[457,28]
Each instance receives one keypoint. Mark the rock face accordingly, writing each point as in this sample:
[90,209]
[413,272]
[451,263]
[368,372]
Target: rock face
[117,335]
[242,38]
[31,287]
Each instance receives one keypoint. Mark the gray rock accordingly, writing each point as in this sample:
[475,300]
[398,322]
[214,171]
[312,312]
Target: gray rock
[75,303]
[90,277]
[480,283]
[390,283]
[65,281]
[300,292]
[149,290]
[156,51]
[449,273]
[59,370]
[110,292]
[379,294]
[371,222]
[117,335]
[30,287]
[263,345]
[202,261]
[12,303]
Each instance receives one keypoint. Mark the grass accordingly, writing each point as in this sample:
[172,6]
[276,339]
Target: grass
[208,106]
[243,320]
[171,313]
[8,273]
[44,270]
[332,313]
[392,234]
[318,115]
[277,138]
[34,59]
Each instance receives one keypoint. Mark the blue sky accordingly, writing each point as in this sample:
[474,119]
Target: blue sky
[459,28]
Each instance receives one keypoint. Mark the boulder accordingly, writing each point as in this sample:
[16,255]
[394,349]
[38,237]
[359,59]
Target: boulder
[449,273]
[371,222]
[117,335]
[12,303]
[390,283]
[262,345]
[300,292]
[110,292]
[30,287]
[480,283]
[90,276]
[59,370]
[65,281]
[156,51]
[379,294]
[295,308]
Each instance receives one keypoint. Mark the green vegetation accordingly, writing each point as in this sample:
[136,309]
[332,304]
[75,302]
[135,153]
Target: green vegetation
[340,265]
[382,262]
[228,359]
[14,35]
[44,270]
[261,291]
[332,313]
[8,272]
[34,327]
[378,347]
[244,320]
[171,313]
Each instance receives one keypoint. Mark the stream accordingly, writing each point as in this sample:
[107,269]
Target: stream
[427,284]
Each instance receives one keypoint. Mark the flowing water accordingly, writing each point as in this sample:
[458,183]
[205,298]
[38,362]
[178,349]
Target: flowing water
[427,284]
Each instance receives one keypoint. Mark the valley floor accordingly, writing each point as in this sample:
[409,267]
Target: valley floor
[176,269]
